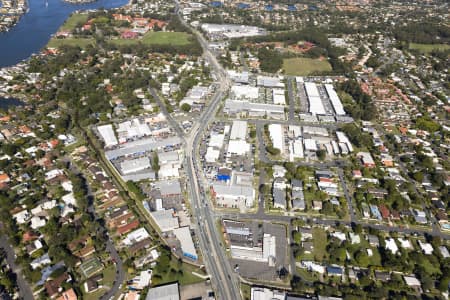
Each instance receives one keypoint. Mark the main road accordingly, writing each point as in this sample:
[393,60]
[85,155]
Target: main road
[223,278]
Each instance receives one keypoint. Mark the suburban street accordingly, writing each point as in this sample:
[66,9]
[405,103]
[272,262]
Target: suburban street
[25,291]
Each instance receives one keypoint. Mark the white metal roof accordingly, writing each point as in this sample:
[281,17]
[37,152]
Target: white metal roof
[183,234]
[238,130]
[276,134]
[108,136]
[335,101]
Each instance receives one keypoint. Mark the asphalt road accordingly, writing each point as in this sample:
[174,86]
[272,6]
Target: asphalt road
[222,277]
[290,86]
[347,195]
[25,291]
[110,248]
[163,108]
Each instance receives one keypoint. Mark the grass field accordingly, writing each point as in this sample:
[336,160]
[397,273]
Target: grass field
[185,278]
[157,38]
[320,243]
[426,48]
[305,66]
[82,43]
[73,20]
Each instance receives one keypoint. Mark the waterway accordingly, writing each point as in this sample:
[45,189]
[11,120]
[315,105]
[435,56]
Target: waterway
[7,102]
[35,28]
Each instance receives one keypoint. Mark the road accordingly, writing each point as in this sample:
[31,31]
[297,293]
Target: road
[347,195]
[25,291]
[291,95]
[110,248]
[163,108]
[223,278]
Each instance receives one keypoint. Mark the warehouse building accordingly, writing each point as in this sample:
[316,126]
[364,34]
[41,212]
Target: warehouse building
[142,146]
[164,292]
[276,135]
[279,97]
[246,108]
[315,103]
[183,234]
[245,92]
[335,101]
[107,135]
[231,30]
[135,165]
[238,130]
[132,129]
[269,82]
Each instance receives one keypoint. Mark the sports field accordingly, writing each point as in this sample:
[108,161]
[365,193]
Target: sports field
[90,267]
[426,48]
[305,66]
[158,38]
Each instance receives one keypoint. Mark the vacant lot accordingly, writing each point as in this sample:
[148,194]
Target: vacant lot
[320,243]
[73,21]
[82,43]
[158,38]
[426,48]
[305,66]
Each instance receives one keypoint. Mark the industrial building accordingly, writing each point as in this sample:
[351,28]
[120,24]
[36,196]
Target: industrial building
[107,135]
[245,92]
[335,101]
[276,135]
[259,293]
[230,195]
[279,97]
[315,103]
[135,165]
[248,242]
[164,292]
[238,130]
[229,31]
[183,234]
[142,146]
[246,108]
[269,82]
[165,219]
[132,129]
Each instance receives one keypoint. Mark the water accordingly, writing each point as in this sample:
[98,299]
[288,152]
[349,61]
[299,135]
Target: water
[35,27]
[7,102]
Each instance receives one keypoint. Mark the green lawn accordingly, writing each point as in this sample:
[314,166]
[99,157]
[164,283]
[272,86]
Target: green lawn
[166,38]
[109,274]
[157,38]
[81,42]
[246,291]
[426,48]
[320,243]
[184,278]
[73,21]
[305,66]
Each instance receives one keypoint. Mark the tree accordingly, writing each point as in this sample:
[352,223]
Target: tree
[185,107]
[362,258]
[296,236]
[321,154]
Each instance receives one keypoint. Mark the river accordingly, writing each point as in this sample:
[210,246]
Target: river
[36,27]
